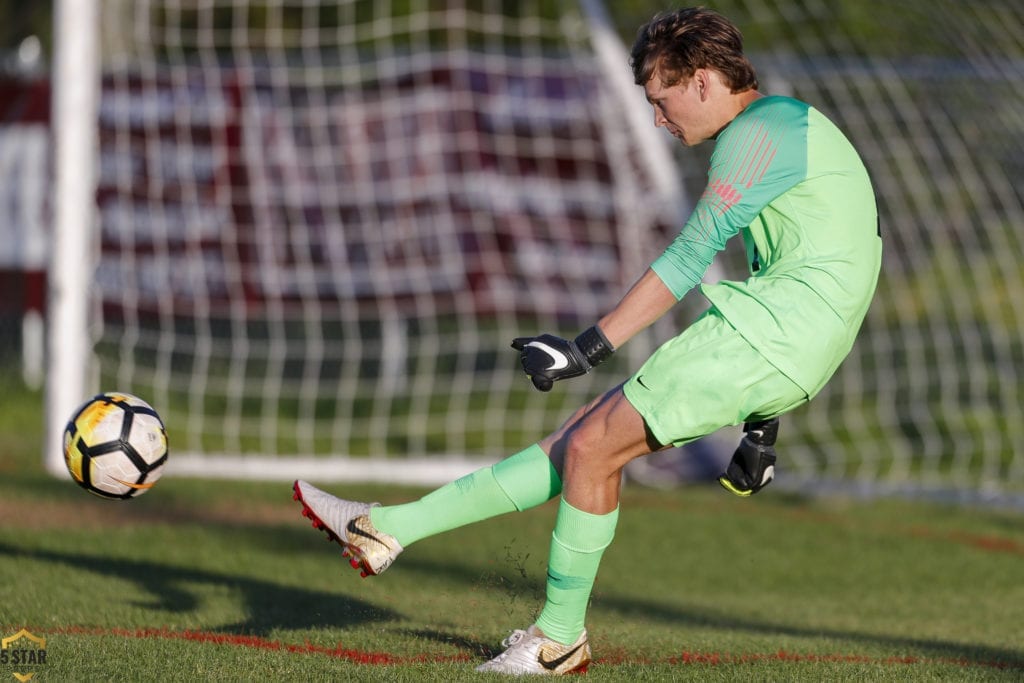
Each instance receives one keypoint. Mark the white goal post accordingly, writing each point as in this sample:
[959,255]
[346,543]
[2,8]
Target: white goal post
[70,272]
[306,232]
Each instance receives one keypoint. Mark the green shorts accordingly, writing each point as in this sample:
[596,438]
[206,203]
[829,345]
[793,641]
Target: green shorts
[707,378]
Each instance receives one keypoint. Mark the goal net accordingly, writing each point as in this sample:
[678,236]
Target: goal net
[320,224]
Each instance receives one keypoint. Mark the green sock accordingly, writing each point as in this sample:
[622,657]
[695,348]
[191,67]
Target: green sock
[519,482]
[577,544]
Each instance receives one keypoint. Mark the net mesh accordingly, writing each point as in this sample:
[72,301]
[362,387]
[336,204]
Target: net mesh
[323,222]
[929,93]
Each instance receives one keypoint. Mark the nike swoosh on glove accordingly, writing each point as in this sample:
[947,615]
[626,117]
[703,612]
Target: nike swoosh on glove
[547,358]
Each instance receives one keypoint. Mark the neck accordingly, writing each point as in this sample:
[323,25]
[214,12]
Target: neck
[746,98]
[738,104]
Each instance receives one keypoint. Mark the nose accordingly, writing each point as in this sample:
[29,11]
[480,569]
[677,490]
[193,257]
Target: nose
[659,120]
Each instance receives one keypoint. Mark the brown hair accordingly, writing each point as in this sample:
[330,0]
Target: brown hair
[675,44]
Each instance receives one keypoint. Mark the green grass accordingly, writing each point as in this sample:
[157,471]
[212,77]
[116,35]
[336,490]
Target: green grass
[225,581]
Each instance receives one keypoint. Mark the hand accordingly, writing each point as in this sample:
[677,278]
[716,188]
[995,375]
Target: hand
[753,464]
[548,358]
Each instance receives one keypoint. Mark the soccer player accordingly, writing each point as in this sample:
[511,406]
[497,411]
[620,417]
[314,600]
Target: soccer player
[786,179]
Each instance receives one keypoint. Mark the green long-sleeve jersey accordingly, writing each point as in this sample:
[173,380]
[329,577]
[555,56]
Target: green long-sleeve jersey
[787,178]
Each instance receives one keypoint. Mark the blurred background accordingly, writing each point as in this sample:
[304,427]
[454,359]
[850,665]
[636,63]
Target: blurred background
[306,232]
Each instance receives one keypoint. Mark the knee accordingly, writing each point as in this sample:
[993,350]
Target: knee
[585,450]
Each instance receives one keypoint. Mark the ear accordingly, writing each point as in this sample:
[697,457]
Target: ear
[702,79]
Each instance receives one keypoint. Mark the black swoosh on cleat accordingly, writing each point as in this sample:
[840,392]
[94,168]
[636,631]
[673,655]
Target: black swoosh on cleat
[353,529]
[555,663]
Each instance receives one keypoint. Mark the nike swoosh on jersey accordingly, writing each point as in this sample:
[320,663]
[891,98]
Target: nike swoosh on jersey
[560,359]
[555,663]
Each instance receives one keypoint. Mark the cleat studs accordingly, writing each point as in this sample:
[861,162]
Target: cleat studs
[363,574]
[354,562]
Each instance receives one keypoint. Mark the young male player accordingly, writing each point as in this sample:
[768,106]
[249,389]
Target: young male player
[785,178]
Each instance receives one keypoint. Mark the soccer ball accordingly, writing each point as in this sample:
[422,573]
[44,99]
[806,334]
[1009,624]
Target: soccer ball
[115,446]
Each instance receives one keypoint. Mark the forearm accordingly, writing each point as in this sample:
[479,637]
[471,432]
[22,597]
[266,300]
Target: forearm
[646,301]
[547,359]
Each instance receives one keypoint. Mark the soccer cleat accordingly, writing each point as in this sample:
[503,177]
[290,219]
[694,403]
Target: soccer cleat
[530,652]
[348,523]
[753,464]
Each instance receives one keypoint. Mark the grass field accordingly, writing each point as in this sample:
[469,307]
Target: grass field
[227,582]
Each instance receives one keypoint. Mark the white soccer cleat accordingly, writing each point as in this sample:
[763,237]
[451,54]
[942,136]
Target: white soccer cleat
[530,652]
[348,523]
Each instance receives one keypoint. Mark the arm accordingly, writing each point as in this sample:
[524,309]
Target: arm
[548,358]
[645,302]
[756,158]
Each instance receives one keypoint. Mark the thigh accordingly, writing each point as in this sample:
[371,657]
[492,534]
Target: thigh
[707,378]
[608,428]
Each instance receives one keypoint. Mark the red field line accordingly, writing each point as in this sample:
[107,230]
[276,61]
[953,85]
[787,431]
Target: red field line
[383,658]
[987,543]
[783,656]
[992,544]
[260,643]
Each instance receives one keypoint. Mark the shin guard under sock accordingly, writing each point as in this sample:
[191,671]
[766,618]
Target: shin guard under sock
[519,482]
[577,544]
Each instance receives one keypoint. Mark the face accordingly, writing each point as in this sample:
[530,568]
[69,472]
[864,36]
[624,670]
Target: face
[680,108]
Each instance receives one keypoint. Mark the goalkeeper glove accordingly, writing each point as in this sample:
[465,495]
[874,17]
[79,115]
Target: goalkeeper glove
[547,358]
[753,464]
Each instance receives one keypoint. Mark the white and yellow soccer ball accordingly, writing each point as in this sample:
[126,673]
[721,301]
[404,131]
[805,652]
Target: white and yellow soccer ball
[115,446]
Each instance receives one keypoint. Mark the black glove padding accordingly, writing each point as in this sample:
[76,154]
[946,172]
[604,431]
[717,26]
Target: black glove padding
[548,358]
[753,464]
